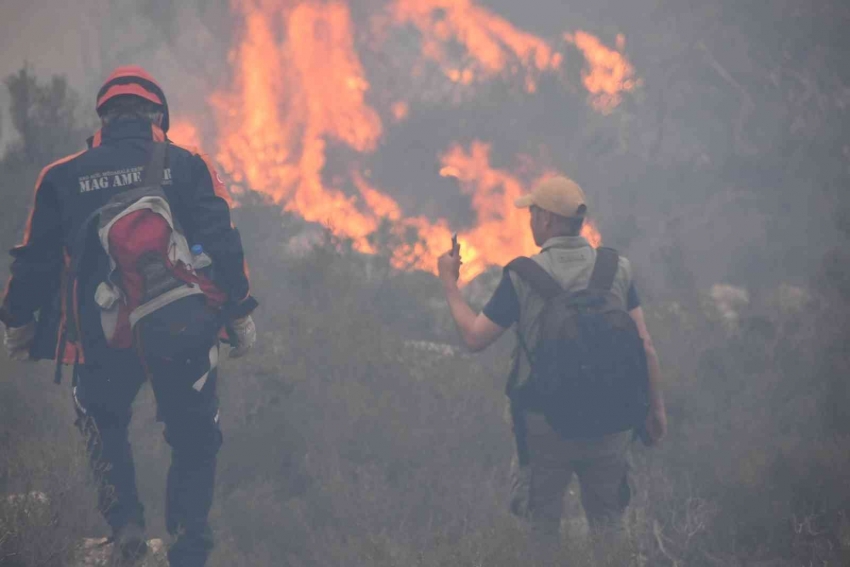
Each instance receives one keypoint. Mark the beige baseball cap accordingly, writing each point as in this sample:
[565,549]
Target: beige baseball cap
[560,195]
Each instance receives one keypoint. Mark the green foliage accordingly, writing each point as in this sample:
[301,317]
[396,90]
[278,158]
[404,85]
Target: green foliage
[45,497]
[46,118]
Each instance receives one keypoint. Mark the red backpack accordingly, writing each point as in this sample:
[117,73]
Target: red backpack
[151,297]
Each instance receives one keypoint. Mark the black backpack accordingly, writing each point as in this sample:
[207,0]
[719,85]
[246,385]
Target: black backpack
[589,374]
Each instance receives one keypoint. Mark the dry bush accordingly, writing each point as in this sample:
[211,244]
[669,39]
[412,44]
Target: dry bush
[46,500]
[344,444]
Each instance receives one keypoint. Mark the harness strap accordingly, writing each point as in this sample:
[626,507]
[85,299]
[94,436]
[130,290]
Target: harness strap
[520,430]
[604,269]
[544,284]
[539,279]
[154,172]
[156,167]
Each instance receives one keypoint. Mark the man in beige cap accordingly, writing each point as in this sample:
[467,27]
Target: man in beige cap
[545,461]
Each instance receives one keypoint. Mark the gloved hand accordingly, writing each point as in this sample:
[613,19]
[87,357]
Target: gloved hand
[17,341]
[243,335]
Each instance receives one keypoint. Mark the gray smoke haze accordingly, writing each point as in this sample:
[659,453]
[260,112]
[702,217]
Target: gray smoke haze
[85,40]
[728,153]
[357,435]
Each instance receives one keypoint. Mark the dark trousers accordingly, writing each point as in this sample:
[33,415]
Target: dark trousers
[185,391]
[544,466]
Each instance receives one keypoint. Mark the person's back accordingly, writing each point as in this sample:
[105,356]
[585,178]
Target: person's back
[115,164]
[546,460]
[132,172]
[570,261]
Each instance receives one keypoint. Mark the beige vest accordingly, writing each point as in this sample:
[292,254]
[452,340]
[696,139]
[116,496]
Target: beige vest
[569,259]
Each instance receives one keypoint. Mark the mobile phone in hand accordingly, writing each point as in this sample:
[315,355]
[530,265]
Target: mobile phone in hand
[454,243]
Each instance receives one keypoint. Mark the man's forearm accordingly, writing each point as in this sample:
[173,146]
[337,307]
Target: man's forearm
[462,313]
[656,396]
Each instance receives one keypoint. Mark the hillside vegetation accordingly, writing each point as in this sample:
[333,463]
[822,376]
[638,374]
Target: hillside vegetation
[349,442]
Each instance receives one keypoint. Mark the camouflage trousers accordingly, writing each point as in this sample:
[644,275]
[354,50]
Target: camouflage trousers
[543,468]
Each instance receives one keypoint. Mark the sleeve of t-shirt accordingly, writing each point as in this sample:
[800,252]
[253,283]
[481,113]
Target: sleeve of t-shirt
[632,300]
[503,307]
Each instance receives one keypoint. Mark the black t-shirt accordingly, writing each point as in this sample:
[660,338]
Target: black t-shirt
[503,307]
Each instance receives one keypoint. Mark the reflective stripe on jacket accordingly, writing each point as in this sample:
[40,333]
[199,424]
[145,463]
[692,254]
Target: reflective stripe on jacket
[69,190]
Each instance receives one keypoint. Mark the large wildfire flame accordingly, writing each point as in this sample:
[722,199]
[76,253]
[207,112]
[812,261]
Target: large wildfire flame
[608,73]
[299,84]
[493,44]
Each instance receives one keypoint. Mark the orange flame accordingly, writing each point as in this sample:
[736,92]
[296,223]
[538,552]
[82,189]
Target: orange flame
[491,41]
[608,74]
[300,85]
[293,96]
[591,233]
[184,133]
[400,110]
[502,232]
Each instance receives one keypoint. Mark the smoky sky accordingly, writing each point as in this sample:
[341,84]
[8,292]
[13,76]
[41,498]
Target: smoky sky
[731,141]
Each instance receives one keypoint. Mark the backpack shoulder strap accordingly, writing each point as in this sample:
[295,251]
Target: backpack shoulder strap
[538,278]
[153,175]
[156,167]
[604,269]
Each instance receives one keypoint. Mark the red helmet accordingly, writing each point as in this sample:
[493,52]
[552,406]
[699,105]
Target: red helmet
[135,81]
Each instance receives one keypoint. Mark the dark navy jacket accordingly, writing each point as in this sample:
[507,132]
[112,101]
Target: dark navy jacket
[69,190]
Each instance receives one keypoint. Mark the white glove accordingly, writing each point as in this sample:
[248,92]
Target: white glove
[243,333]
[17,341]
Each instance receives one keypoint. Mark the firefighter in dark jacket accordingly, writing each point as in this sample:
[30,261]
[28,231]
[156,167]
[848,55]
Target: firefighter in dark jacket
[134,116]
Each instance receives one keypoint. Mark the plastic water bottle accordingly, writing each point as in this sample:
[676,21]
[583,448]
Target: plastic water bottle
[201,262]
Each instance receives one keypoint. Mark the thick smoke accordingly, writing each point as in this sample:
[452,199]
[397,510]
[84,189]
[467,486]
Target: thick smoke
[351,437]
[692,166]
